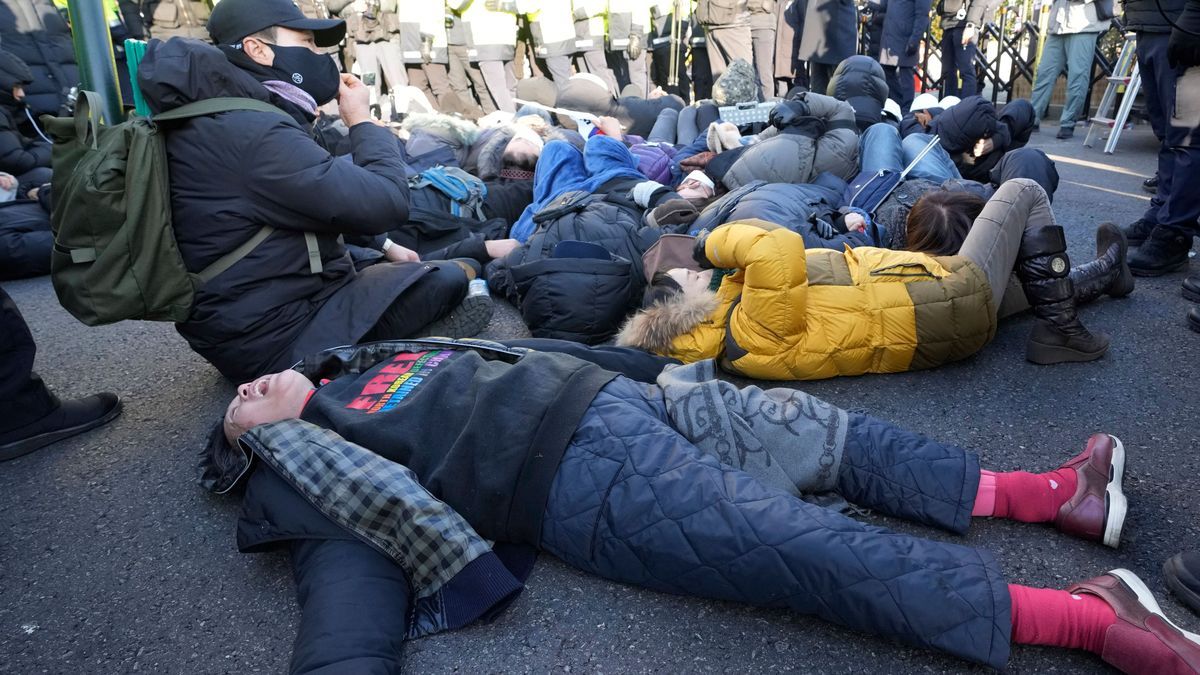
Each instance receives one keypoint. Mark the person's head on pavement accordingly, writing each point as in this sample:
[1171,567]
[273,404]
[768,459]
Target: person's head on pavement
[270,398]
[273,39]
[938,223]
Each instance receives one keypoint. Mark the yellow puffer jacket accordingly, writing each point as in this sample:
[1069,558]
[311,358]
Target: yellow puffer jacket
[790,314]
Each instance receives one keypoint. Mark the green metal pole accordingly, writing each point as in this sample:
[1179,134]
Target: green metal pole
[94,53]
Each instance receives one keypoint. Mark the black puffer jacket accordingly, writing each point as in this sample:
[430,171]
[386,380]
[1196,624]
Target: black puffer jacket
[1143,15]
[571,298]
[235,172]
[25,240]
[18,154]
[39,36]
[975,118]
[859,81]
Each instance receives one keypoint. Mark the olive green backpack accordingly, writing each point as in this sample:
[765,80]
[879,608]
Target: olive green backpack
[115,255]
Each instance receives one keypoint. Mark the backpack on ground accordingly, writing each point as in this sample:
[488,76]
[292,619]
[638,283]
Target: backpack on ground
[115,256]
[466,192]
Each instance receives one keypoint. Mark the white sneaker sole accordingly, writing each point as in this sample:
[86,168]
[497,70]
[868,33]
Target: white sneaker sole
[1145,597]
[1117,505]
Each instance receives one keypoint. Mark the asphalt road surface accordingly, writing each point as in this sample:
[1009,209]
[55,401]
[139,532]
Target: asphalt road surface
[113,560]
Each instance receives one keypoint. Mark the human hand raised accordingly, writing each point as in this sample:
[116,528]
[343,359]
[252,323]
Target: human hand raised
[354,101]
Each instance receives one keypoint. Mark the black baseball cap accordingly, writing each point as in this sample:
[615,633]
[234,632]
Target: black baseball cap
[232,20]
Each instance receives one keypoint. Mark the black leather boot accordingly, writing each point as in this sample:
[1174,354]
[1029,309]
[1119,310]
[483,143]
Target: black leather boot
[1191,288]
[68,419]
[1108,274]
[1164,251]
[1044,269]
[1138,231]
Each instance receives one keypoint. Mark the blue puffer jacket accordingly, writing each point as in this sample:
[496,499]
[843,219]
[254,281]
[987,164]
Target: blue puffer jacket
[805,209]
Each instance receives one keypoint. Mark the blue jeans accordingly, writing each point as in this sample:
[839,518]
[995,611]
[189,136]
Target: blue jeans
[1072,54]
[958,61]
[881,148]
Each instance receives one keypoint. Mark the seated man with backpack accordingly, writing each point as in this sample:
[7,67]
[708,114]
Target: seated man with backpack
[254,194]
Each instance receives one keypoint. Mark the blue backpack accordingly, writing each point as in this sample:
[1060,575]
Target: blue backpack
[466,192]
[867,191]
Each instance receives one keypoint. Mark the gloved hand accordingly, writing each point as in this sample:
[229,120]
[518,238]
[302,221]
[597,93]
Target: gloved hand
[636,47]
[426,49]
[913,46]
[644,191]
[698,252]
[1183,47]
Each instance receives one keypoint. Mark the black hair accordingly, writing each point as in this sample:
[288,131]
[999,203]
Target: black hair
[661,289]
[940,220]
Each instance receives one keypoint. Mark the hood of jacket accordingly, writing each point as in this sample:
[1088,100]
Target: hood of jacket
[961,125]
[181,71]
[654,328]
[859,81]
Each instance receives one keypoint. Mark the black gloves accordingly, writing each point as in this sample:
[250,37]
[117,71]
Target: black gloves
[698,252]
[636,47]
[913,46]
[1183,48]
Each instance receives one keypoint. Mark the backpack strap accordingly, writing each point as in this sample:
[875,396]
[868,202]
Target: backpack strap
[229,259]
[212,106]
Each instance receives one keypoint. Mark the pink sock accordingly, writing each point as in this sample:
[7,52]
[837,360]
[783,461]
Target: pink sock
[1041,616]
[985,497]
[1027,497]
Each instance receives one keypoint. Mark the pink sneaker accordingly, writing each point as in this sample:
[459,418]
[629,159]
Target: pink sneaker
[1143,640]
[1098,508]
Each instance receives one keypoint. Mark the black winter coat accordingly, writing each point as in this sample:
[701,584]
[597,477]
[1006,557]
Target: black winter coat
[859,81]
[904,24]
[38,34]
[975,118]
[18,154]
[25,240]
[1143,15]
[235,172]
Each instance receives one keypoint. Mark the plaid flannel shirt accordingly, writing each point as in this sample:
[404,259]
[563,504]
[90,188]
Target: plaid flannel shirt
[379,500]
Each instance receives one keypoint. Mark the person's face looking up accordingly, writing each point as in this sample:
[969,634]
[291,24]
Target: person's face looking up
[270,398]
[693,189]
[258,47]
[690,281]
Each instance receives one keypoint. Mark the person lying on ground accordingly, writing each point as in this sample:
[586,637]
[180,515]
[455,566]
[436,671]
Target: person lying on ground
[240,175]
[26,238]
[787,313]
[977,134]
[690,485]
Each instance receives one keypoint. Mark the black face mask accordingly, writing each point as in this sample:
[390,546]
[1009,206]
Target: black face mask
[316,74]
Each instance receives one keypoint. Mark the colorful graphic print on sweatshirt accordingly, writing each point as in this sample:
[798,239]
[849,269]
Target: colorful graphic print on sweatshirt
[397,379]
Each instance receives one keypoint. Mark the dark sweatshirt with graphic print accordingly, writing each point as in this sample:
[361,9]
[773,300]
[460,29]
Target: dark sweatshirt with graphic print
[484,436]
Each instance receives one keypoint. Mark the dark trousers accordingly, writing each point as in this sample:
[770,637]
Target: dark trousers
[958,61]
[702,77]
[630,71]
[819,75]
[23,397]
[429,299]
[660,73]
[1177,203]
[635,502]
[900,86]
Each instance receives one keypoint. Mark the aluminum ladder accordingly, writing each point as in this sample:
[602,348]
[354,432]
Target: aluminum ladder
[1125,75]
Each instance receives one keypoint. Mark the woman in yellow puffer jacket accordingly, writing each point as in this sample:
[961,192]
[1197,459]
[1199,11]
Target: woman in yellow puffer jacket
[790,314]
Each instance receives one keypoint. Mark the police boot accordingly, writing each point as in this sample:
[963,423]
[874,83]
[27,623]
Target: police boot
[1108,274]
[1044,271]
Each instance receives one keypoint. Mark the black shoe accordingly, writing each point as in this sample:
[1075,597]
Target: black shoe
[1191,288]
[1037,127]
[471,316]
[1182,574]
[1193,318]
[1109,273]
[1151,184]
[1064,133]
[68,419]
[1137,231]
[1164,252]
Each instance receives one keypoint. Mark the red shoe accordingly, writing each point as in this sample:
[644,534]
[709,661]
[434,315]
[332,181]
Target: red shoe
[1097,510]
[1142,640]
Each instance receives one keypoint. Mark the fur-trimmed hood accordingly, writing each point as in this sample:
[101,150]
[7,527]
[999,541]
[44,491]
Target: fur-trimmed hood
[654,328]
[460,132]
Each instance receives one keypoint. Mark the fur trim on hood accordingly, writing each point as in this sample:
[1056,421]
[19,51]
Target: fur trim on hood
[654,328]
[460,132]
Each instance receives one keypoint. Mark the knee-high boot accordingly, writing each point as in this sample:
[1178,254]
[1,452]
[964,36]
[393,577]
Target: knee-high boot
[1044,270]
[1108,274]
